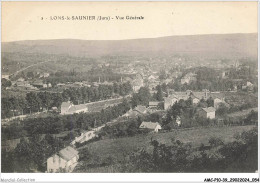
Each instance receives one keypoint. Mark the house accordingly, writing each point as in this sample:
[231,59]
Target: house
[5,76]
[153,104]
[182,95]
[64,161]
[207,112]
[84,137]
[218,102]
[137,84]
[44,75]
[65,106]
[249,86]
[69,108]
[137,111]
[178,120]
[141,109]
[175,97]
[195,100]
[188,78]
[39,84]
[151,125]
[20,79]
[169,101]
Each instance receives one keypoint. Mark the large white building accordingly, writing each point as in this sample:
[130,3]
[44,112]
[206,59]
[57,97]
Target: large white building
[69,108]
[64,161]
[151,125]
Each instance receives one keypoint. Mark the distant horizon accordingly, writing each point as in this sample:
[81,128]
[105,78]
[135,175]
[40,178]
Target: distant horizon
[126,39]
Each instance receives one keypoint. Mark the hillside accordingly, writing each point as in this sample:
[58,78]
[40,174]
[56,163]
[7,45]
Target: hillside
[122,147]
[205,46]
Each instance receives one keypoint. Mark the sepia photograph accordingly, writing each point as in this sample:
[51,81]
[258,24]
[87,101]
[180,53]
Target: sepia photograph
[129,87]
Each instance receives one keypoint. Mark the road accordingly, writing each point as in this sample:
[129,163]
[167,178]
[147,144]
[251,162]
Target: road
[14,74]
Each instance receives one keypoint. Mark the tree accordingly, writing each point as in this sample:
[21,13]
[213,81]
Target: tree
[57,99]
[142,97]
[14,105]
[221,110]
[6,83]
[46,99]
[30,74]
[34,101]
[162,75]
[214,142]
[159,95]
[210,102]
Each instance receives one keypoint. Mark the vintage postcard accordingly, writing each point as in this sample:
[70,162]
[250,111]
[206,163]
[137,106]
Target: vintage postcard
[129,87]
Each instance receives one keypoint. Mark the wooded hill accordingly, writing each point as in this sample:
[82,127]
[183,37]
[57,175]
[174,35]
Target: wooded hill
[203,46]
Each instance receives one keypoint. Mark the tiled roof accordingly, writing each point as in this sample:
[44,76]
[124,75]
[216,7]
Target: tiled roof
[68,153]
[149,125]
[140,108]
[209,109]
[65,104]
[154,103]
[217,95]
[199,95]
[75,108]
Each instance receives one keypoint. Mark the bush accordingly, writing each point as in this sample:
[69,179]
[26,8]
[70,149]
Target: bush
[214,142]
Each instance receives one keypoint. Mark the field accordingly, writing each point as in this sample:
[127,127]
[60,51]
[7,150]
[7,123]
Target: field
[122,147]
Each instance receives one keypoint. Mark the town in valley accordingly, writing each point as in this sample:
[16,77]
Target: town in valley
[146,106]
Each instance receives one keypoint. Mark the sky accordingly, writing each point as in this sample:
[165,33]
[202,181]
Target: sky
[22,20]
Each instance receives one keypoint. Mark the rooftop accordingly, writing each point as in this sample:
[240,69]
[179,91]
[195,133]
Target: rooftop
[66,104]
[209,109]
[77,107]
[149,125]
[154,103]
[68,153]
[140,108]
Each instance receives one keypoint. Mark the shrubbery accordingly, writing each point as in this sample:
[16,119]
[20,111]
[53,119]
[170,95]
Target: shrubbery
[237,156]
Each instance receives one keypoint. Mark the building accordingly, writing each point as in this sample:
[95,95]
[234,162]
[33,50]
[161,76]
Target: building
[248,86]
[151,125]
[175,97]
[137,111]
[64,161]
[137,84]
[44,75]
[195,100]
[207,112]
[39,84]
[69,108]
[84,137]
[141,109]
[5,76]
[169,101]
[178,120]
[188,78]
[154,104]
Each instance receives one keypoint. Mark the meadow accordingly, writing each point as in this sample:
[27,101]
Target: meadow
[118,149]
